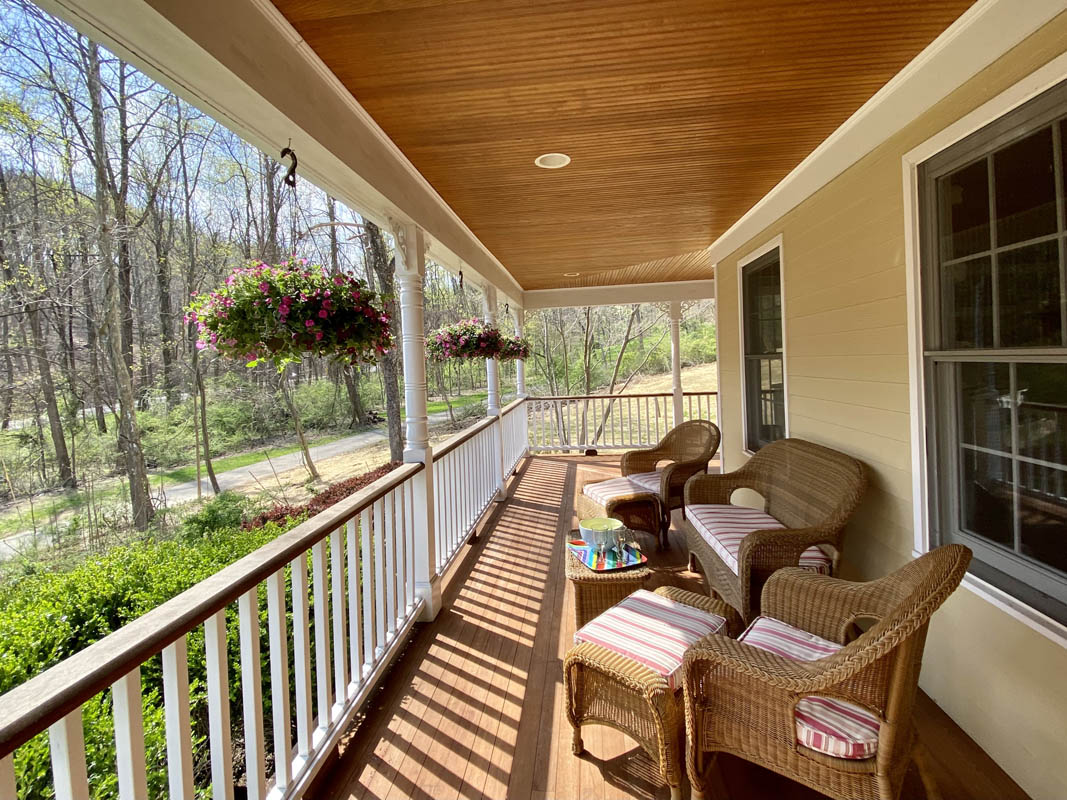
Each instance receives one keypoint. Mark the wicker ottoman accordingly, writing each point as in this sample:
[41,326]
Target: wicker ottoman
[627,501]
[596,592]
[612,677]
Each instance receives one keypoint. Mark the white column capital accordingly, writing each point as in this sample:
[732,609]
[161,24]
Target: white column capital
[412,245]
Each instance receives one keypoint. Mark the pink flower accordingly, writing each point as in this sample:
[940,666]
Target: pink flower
[264,287]
[200,344]
[309,324]
[318,335]
[324,313]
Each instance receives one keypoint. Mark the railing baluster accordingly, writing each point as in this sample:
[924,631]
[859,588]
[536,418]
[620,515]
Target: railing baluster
[322,633]
[410,489]
[390,564]
[129,736]
[298,570]
[340,651]
[355,604]
[379,576]
[8,789]
[404,526]
[176,710]
[252,694]
[66,740]
[366,536]
[278,635]
[218,706]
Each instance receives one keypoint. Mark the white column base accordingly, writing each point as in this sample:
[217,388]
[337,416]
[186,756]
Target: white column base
[430,595]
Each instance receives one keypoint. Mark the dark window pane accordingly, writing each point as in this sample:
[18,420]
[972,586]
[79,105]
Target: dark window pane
[765,398]
[983,398]
[1028,280]
[963,198]
[1025,189]
[1043,514]
[1063,164]
[986,496]
[763,310]
[1042,393]
[967,304]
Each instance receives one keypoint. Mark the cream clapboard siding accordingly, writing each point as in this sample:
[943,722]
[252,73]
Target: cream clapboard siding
[847,367]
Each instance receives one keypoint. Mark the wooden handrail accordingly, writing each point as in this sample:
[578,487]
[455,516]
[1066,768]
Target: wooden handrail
[616,396]
[464,435]
[32,706]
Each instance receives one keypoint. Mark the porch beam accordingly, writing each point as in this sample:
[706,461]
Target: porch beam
[410,276]
[620,294]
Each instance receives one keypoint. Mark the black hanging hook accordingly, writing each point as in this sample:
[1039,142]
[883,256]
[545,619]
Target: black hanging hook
[461,279]
[290,176]
[505,308]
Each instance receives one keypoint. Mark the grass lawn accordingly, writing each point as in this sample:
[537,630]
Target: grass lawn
[462,401]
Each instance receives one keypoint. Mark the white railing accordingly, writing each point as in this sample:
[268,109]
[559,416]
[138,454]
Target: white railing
[348,620]
[466,475]
[514,433]
[609,422]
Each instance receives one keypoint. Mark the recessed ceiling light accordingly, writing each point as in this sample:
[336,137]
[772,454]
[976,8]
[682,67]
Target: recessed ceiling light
[552,160]
[571,274]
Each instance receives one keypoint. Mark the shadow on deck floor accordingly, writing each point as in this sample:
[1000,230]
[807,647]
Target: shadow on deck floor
[474,706]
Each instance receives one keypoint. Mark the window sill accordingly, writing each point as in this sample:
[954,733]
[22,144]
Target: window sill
[1032,618]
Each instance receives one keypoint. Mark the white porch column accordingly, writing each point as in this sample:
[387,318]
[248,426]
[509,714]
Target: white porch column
[676,358]
[520,365]
[492,375]
[410,270]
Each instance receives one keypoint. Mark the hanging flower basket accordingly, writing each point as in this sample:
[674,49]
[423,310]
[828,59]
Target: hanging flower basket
[513,348]
[285,312]
[471,338]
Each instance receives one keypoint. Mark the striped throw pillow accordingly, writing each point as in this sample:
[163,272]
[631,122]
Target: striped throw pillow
[639,483]
[824,724]
[651,629]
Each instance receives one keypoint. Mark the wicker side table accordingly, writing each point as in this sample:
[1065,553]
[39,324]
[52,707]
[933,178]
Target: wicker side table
[596,592]
[606,688]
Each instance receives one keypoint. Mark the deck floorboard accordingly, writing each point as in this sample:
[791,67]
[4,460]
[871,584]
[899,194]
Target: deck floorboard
[474,706]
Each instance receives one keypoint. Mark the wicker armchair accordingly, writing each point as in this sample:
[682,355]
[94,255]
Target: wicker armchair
[809,490]
[689,447]
[741,699]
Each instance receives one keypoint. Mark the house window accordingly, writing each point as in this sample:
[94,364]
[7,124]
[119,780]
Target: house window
[994,237]
[764,357]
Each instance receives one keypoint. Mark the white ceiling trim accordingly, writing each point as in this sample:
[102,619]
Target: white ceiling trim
[619,294]
[979,37]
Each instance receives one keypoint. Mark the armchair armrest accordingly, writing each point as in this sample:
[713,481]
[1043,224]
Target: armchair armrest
[714,489]
[740,660]
[823,605]
[676,474]
[635,461]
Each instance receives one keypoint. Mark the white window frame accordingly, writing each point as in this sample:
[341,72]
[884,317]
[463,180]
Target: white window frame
[744,261]
[1026,89]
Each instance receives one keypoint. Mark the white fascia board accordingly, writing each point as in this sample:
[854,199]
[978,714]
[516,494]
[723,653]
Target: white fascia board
[619,294]
[240,62]
[982,34]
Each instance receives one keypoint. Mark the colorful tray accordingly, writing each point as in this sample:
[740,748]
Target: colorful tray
[606,560]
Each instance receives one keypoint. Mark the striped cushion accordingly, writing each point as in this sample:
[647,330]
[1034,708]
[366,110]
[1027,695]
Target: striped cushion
[653,630]
[724,526]
[639,483]
[826,724]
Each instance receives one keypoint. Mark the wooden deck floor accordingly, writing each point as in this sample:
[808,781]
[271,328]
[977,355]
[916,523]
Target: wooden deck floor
[474,707]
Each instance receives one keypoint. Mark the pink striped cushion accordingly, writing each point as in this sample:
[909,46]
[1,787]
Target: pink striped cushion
[825,724]
[639,483]
[724,526]
[653,630]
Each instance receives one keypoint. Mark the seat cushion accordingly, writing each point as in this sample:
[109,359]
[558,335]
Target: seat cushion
[825,724]
[639,483]
[724,526]
[651,629]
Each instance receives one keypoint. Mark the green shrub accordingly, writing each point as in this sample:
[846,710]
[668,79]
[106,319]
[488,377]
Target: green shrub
[226,510]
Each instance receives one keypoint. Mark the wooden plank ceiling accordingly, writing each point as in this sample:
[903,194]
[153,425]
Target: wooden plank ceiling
[678,114]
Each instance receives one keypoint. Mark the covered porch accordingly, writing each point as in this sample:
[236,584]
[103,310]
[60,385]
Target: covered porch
[407,642]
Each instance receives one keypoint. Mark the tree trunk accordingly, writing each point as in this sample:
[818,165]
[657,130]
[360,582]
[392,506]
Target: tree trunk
[202,392]
[48,390]
[92,346]
[129,432]
[389,366]
[355,401]
[295,414]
